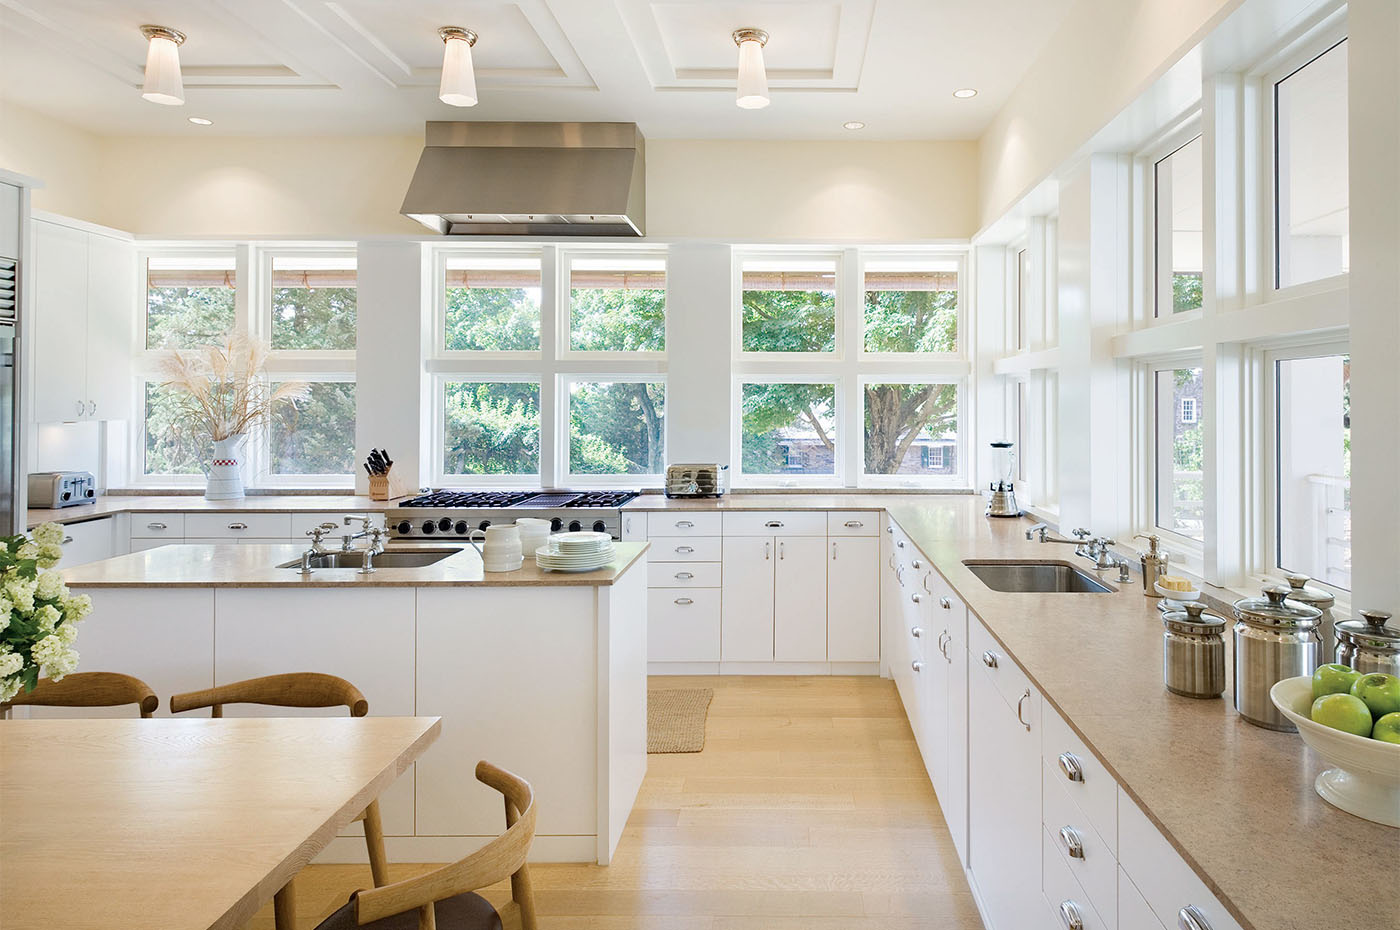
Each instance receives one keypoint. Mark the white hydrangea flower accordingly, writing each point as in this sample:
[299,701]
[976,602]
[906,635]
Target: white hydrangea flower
[48,534]
[10,663]
[47,618]
[49,555]
[54,657]
[77,607]
[49,587]
[68,633]
[28,550]
[9,687]
[21,593]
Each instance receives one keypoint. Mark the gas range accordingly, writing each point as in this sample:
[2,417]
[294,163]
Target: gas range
[451,512]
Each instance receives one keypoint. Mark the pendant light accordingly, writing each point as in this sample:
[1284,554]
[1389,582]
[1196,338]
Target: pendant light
[753,80]
[458,87]
[163,84]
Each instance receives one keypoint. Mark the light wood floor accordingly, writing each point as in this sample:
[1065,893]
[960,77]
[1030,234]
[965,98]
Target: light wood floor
[809,808]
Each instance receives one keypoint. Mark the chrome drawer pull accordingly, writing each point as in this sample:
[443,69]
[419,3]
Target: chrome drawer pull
[944,639]
[67,540]
[1019,702]
[856,524]
[1074,844]
[890,530]
[238,526]
[683,601]
[1191,918]
[684,576]
[156,526]
[685,550]
[989,659]
[684,524]
[1069,764]
[917,564]
[916,665]
[774,524]
[1070,916]
[916,631]
[945,603]
[899,543]
[915,598]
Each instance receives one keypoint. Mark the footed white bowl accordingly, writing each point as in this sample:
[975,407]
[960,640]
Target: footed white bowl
[1366,777]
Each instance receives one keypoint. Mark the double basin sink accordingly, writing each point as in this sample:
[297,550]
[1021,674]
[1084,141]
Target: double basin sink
[1036,578]
[399,558]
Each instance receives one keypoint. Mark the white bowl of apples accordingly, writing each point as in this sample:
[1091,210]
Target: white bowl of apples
[1330,709]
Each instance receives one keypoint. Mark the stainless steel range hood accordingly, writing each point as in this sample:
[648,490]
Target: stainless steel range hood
[530,179]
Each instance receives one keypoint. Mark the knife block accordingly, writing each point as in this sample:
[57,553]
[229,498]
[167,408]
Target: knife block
[379,486]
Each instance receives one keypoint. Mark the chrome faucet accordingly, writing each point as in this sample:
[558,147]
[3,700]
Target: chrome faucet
[376,546]
[1043,529]
[1097,550]
[317,533]
[376,534]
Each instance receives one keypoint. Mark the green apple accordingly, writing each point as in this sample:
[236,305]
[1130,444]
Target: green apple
[1333,679]
[1343,712]
[1380,691]
[1387,729]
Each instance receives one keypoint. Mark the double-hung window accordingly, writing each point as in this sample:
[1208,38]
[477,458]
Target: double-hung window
[1177,440]
[1178,241]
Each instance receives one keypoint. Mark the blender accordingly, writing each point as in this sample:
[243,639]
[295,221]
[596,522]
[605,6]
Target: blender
[1001,499]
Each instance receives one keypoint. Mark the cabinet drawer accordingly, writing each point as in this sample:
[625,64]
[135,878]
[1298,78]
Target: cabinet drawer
[1063,893]
[683,626]
[87,542]
[853,523]
[683,523]
[692,575]
[685,549]
[1166,882]
[948,610]
[775,523]
[302,522]
[1133,912]
[1080,847]
[988,655]
[157,525]
[236,525]
[1082,775]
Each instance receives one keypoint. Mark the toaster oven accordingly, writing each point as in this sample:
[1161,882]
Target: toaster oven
[706,480]
[53,489]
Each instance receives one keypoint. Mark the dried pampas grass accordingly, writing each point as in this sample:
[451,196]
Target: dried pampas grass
[224,390]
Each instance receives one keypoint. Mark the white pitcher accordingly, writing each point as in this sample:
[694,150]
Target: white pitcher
[500,550]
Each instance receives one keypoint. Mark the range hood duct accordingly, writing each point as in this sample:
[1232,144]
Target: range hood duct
[530,179]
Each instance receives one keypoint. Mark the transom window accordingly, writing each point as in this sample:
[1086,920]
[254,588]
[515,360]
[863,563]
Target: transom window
[788,305]
[1179,211]
[189,300]
[911,306]
[617,305]
[491,303]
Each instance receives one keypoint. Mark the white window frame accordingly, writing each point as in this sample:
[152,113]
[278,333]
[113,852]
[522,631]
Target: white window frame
[744,479]
[564,330]
[1187,552]
[441,255]
[1147,225]
[440,478]
[841,347]
[858,308]
[959,479]
[564,382]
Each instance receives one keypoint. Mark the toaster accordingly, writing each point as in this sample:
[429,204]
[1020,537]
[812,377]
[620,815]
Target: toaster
[54,489]
[696,480]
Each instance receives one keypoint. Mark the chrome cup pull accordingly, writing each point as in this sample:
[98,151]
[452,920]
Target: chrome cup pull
[1191,918]
[238,526]
[916,631]
[945,603]
[915,598]
[683,601]
[67,540]
[899,543]
[856,524]
[1074,844]
[774,524]
[989,659]
[1069,765]
[684,524]
[685,550]
[1070,916]
[917,564]
[1020,701]
[684,576]
[916,665]
[156,526]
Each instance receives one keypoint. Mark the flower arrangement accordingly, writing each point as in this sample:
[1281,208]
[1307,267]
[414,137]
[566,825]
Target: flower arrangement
[38,617]
[224,390]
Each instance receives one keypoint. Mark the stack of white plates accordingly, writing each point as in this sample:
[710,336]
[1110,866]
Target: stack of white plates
[575,552]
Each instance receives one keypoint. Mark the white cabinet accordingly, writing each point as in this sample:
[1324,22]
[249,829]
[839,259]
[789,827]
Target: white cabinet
[235,526]
[683,625]
[83,307]
[91,541]
[746,615]
[853,599]
[799,599]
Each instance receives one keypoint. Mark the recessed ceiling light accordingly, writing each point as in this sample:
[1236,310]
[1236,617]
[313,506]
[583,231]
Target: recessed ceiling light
[963,93]
[201,121]
[853,124]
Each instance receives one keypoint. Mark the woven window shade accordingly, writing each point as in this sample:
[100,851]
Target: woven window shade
[911,280]
[618,280]
[178,277]
[789,280]
[492,277]
[324,277]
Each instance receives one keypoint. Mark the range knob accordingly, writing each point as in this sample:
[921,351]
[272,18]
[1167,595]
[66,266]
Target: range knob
[429,527]
[89,493]
[556,525]
[445,524]
[460,527]
[404,528]
[575,526]
[483,524]
[599,526]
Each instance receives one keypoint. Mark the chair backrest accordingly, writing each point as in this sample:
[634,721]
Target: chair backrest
[89,689]
[295,689]
[501,858]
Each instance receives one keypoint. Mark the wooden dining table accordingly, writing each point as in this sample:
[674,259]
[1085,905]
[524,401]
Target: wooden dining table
[167,824]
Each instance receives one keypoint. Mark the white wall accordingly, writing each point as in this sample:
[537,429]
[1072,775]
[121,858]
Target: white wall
[66,157]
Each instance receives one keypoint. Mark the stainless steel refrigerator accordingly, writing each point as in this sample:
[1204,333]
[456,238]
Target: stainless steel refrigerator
[11,519]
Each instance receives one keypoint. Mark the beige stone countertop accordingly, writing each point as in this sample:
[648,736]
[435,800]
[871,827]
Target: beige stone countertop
[194,503]
[1236,801]
[794,500]
[254,566]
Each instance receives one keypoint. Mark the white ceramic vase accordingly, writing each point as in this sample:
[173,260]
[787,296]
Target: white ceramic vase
[225,482]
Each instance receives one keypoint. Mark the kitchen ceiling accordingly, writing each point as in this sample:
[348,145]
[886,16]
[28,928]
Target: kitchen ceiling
[372,66]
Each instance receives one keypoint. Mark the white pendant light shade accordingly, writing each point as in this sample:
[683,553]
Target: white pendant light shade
[753,79]
[458,87]
[163,84]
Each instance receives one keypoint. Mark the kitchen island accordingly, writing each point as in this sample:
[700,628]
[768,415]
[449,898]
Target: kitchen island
[540,672]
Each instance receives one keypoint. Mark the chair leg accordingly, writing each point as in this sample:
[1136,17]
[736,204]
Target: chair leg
[374,842]
[522,890]
[284,908]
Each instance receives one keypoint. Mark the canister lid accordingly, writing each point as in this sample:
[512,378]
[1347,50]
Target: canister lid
[1298,590]
[1273,610]
[1193,620]
[1370,632]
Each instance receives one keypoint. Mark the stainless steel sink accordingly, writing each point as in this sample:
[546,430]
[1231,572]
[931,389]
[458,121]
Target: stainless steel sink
[1036,577]
[403,558]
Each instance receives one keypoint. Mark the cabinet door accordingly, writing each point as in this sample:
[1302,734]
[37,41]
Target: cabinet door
[933,701]
[853,599]
[111,290]
[954,800]
[746,611]
[59,320]
[1004,805]
[799,599]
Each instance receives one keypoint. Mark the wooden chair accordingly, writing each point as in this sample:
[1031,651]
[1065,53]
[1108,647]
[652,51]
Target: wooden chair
[88,689]
[297,689]
[448,894]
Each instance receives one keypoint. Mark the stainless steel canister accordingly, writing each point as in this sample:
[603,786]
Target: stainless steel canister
[1193,652]
[1299,590]
[1368,645]
[1274,640]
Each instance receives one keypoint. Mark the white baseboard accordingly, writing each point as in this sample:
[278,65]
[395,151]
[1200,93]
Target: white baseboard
[682,668]
[763,668]
[451,848]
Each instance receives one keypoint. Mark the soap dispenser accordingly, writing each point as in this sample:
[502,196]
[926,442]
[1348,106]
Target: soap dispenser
[1154,564]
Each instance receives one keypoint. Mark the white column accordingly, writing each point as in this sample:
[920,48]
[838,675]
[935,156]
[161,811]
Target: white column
[1374,117]
[993,299]
[699,334]
[391,402]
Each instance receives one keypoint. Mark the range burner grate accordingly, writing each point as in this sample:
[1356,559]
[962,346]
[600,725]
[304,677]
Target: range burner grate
[461,499]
